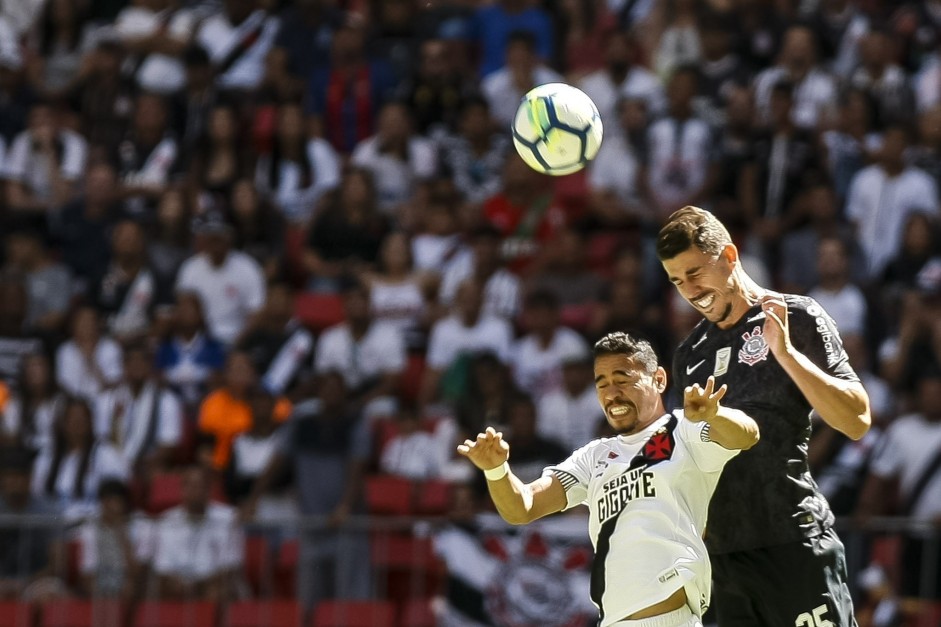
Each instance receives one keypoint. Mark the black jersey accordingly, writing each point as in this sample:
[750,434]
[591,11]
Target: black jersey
[766,495]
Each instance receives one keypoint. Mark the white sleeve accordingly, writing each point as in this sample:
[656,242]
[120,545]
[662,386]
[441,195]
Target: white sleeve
[707,455]
[88,553]
[394,354]
[505,339]
[254,286]
[186,279]
[74,158]
[10,420]
[170,425]
[575,472]
[69,369]
[232,557]
[330,354]
[144,533]
[110,361]
[439,353]
[425,162]
[854,198]
[887,462]
[14,168]
[326,165]
[164,548]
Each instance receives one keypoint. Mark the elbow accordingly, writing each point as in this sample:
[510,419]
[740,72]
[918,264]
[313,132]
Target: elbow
[754,436]
[859,425]
[516,518]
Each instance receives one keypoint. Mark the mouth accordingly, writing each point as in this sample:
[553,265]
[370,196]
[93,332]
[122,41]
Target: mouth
[704,302]
[619,411]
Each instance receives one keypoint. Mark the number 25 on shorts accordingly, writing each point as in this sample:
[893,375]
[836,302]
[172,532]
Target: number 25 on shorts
[814,618]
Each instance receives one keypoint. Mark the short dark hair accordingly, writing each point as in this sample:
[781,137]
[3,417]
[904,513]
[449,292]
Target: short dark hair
[542,299]
[621,343]
[521,36]
[115,488]
[692,226]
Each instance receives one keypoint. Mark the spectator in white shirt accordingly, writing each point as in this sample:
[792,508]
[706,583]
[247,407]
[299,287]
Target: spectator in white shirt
[299,170]
[140,417]
[238,39]
[369,354]
[838,296]
[116,545]
[505,88]
[398,158]
[614,175]
[412,453]
[199,544]
[484,264]
[680,167]
[44,163]
[70,470]
[230,283]
[467,331]
[537,357]
[156,33]
[30,415]
[815,93]
[571,415]
[622,77]
[88,363]
[882,196]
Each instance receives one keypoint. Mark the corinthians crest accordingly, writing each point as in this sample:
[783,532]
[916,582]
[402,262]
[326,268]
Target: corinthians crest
[755,348]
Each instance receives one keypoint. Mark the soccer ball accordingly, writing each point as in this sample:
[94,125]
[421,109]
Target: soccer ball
[557,129]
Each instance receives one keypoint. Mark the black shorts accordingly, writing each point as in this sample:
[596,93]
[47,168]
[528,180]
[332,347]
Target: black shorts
[800,584]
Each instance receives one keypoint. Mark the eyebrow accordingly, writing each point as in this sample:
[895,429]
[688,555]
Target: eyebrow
[623,373]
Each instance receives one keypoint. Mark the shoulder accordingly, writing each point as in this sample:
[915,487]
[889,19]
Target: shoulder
[694,336]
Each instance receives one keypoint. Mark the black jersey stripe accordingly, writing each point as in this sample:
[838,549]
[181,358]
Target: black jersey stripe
[597,585]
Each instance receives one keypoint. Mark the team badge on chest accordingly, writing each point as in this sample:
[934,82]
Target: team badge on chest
[755,348]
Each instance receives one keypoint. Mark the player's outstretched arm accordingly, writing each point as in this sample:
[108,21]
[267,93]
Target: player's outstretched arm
[729,428]
[844,405]
[517,502]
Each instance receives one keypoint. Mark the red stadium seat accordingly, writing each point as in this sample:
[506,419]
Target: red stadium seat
[286,568]
[166,491]
[319,311]
[407,565]
[73,562]
[257,566]
[417,613]
[434,498]
[411,378]
[81,613]
[354,614]
[387,495]
[175,614]
[276,613]
[16,614]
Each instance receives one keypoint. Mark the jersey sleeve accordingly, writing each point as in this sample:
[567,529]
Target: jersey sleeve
[574,474]
[706,454]
[815,334]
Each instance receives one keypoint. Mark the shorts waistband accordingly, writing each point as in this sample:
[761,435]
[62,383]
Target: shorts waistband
[670,619]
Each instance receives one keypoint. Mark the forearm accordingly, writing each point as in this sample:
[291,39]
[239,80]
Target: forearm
[513,499]
[733,429]
[843,405]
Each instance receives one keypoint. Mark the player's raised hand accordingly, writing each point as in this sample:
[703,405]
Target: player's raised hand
[776,331]
[488,451]
[702,404]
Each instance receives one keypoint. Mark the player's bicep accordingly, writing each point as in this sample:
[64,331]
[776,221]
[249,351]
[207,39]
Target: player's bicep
[548,496]
[822,343]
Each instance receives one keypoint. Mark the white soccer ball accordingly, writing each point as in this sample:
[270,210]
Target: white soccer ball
[557,129]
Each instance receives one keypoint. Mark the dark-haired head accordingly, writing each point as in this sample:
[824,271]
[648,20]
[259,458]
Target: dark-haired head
[692,226]
[620,343]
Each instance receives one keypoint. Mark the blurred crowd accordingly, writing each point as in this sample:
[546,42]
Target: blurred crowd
[287,244]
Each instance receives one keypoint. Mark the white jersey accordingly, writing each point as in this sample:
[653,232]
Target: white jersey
[648,497]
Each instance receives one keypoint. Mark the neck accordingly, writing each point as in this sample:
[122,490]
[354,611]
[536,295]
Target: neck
[359,327]
[747,294]
[893,169]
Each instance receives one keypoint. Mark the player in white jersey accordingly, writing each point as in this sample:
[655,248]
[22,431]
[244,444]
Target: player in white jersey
[647,489]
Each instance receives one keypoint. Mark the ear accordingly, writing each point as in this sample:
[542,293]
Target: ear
[660,378]
[730,254]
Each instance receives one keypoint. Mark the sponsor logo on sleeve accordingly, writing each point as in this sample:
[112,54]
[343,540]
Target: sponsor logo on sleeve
[754,349]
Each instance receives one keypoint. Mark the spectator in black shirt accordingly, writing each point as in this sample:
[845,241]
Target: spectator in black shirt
[436,92]
[344,240]
[82,228]
[126,293]
[147,156]
[16,341]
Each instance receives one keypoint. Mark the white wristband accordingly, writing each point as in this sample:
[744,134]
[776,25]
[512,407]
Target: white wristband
[495,474]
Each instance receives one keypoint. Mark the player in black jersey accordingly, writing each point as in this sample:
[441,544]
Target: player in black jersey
[776,560]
